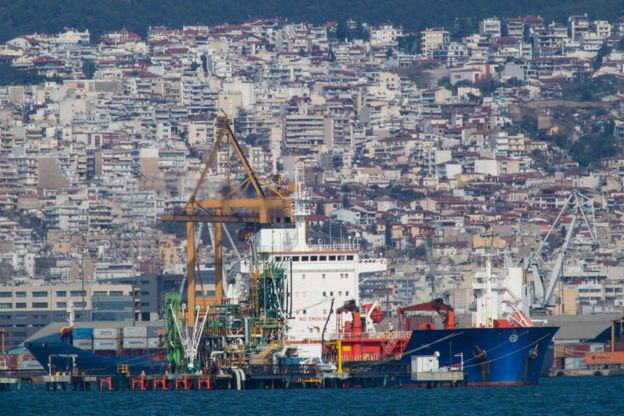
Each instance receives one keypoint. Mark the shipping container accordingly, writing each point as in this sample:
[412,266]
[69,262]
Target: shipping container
[85,344]
[30,365]
[576,350]
[135,332]
[573,363]
[605,359]
[82,333]
[596,347]
[155,331]
[106,333]
[134,343]
[153,343]
[105,344]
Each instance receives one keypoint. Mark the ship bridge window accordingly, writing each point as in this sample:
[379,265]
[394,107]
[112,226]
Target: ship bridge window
[332,258]
[295,258]
[304,311]
[314,258]
[347,293]
[340,258]
[304,258]
[349,257]
[324,294]
[278,258]
[323,275]
[323,258]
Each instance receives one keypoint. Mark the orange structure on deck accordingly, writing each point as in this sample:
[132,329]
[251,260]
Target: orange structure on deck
[358,343]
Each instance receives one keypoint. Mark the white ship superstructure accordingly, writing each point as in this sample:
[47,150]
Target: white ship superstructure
[316,274]
[500,297]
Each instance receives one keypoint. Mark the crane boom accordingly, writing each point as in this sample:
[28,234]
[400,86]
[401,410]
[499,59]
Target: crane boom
[555,275]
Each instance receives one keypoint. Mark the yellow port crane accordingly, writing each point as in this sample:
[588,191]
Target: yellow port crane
[269,204]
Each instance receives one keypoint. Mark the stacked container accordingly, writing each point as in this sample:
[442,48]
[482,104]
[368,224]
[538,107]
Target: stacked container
[105,339]
[134,337]
[153,337]
[83,338]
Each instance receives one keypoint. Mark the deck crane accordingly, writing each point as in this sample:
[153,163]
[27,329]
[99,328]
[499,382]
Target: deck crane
[540,297]
[445,311]
[252,201]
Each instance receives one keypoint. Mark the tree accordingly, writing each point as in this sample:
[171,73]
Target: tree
[89,68]
[388,234]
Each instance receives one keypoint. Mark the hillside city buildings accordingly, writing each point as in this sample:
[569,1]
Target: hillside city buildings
[403,148]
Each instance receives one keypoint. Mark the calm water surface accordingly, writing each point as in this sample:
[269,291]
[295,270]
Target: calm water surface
[558,396]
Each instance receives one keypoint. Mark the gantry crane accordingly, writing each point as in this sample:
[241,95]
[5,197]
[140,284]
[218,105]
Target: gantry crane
[252,201]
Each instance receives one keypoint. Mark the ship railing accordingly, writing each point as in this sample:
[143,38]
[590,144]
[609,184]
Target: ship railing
[377,335]
[291,369]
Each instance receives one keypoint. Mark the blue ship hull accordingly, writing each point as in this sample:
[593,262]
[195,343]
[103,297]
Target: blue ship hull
[491,356]
[53,349]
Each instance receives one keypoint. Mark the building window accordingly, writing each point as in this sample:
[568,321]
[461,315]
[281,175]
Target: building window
[77,304]
[39,294]
[40,305]
[6,294]
[78,293]
[61,293]
[6,305]
[20,294]
[20,305]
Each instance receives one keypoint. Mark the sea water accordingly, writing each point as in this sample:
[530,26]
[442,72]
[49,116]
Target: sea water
[552,397]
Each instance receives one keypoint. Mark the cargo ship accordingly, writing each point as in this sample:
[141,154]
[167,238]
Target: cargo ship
[100,348]
[501,347]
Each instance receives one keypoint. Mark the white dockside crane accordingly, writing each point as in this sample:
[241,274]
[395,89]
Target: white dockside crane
[541,296]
